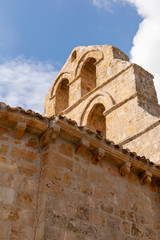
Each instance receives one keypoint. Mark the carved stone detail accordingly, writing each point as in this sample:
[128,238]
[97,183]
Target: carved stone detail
[98,154]
[125,169]
[146,177]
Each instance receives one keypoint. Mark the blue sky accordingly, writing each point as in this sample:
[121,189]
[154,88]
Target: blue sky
[49,30]
[37,36]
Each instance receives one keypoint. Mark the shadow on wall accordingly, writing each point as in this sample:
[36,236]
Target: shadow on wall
[88,76]
[96,120]
[62,96]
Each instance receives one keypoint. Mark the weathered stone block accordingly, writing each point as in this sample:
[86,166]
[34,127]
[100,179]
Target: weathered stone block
[7,195]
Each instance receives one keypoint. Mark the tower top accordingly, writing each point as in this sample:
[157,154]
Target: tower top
[96,59]
[84,73]
[100,89]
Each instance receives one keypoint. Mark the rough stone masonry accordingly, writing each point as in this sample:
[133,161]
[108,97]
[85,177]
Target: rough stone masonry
[61,175]
[99,88]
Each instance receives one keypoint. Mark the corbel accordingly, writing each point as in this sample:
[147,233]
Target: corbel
[125,169]
[56,128]
[146,177]
[19,130]
[50,135]
[82,146]
[98,154]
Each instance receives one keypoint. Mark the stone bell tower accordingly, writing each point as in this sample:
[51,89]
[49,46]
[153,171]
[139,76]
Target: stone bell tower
[100,89]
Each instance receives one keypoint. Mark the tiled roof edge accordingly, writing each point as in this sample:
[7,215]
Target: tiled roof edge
[73,123]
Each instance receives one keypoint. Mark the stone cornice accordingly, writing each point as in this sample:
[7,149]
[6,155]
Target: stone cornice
[83,139]
[22,120]
[111,152]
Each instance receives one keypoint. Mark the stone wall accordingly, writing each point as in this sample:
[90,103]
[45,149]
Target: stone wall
[19,181]
[84,199]
[62,182]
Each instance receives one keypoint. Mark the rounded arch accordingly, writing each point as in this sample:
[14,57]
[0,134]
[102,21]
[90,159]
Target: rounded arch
[62,96]
[96,120]
[61,76]
[96,54]
[88,76]
[105,99]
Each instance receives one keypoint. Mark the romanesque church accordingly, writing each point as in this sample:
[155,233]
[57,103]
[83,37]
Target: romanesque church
[88,168]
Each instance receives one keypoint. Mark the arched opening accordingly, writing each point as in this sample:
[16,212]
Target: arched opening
[74,56]
[88,76]
[62,96]
[96,120]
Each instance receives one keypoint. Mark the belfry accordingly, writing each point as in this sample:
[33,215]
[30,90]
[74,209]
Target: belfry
[100,89]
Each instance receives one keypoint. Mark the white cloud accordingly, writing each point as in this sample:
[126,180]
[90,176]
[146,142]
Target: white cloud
[25,83]
[101,3]
[146,42]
